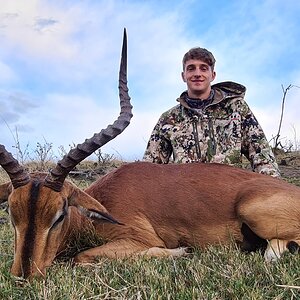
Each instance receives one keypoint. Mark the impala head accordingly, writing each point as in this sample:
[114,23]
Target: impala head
[41,205]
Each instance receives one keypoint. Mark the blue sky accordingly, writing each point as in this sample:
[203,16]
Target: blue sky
[59,63]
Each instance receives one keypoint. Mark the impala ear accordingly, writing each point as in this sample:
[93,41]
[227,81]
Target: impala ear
[5,190]
[97,215]
[87,205]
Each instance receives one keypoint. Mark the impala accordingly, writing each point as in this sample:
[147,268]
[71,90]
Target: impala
[143,208]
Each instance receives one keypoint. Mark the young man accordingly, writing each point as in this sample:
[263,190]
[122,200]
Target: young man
[211,123]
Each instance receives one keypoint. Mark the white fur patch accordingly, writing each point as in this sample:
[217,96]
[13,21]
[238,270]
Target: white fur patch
[275,249]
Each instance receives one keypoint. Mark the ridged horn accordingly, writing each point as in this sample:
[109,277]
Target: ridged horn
[56,177]
[17,174]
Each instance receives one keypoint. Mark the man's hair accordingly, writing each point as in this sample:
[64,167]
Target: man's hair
[201,54]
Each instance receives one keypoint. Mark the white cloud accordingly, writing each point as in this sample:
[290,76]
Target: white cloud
[35,29]
[6,73]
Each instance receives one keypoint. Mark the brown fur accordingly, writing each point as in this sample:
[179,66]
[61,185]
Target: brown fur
[161,207]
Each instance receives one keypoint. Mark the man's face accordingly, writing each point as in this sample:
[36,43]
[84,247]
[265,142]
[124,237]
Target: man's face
[198,76]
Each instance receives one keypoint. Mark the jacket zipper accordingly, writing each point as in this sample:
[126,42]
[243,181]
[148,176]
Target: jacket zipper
[212,143]
[196,137]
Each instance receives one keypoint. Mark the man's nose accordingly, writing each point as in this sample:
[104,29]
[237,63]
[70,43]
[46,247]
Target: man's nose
[197,72]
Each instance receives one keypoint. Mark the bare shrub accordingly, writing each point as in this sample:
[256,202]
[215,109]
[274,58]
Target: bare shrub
[288,145]
[43,155]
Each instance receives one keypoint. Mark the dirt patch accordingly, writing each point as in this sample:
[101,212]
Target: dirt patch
[289,166]
[289,171]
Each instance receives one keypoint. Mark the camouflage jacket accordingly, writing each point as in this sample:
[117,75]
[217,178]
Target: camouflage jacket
[221,132]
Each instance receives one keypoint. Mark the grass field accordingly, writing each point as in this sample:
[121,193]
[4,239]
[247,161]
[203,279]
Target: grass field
[222,272]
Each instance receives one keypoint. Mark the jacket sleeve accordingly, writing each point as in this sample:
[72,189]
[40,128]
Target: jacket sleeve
[255,145]
[159,148]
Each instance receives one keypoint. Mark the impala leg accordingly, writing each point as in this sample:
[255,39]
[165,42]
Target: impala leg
[164,252]
[115,249]
[126,248]
[277,247]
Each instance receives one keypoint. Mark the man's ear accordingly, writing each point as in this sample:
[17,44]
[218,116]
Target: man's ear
[214,74]
[183,76]
[5,190]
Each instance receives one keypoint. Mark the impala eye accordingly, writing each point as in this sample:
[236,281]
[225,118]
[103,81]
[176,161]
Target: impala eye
[59,220]
[61,217]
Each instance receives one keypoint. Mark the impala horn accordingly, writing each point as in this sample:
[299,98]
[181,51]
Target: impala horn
[56,177]
[17,174]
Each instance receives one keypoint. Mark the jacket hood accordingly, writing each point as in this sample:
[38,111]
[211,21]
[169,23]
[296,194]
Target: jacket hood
[228,89]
